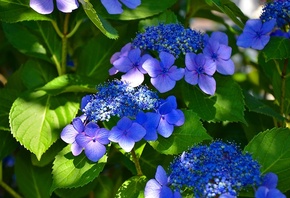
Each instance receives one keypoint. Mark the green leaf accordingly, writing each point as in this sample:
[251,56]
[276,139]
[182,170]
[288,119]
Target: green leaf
[146,9]
[103,25]
[30,45]
[133,187]
[166,17]
[272,149]
[257,106]
[34,182]
[7,144]
[37,73]
[74,171]
[182,137]
[69,83]
[7,97]
[95,58]
[12,11]
[36,119]
[226,105]
[277,48]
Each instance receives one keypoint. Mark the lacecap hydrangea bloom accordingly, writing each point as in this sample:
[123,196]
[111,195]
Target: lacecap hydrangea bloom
[142,116]
[217,170]
[115,6]
[46,6]
[170,41]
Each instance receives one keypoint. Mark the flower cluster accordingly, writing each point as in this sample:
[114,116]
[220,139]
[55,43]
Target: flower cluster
[142,116]
[219,169]
[204,55]
[274,21]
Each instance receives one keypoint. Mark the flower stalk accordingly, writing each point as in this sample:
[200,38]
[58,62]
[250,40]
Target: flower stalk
[136,162]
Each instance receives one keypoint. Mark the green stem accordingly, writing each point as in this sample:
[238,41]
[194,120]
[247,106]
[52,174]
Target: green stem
[74,29]
[136,162]
[5,186]
[283,86]
[60,34]
[64,43]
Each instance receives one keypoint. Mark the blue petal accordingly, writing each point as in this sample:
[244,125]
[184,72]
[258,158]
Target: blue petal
[115,134]
[275,193]
[124,123]
[165,129]
[152,67]
[165,192]
[126,143]
[78,124]
[189,61]
[245,40]
[261,192]
[76,149]
[152,189]
[67,6]
[85,100]
[163,83]
[83,140]
[42,6]
[173,117]
[136,132]
[112,6]
[191,77]
[102,136]
[95,151]
[220,37]
[69,134]
[134,77]
[131,3]
[225,67]
[161,176]
[270,180]
[167,59]
[207,84]
[91,129]
[176,73]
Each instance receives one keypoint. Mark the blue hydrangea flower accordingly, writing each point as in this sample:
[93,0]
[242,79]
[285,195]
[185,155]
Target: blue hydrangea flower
[218,52]
[163,74]
[279,10]
[256,34]
[268,187]
[117,98]
[115,7]
[132,66]
[218,169]
[123,53]
[158,187]
[93,140]
[170,116]
[171,38]
[46,6]
[199,71]
[70,132]
[126,133]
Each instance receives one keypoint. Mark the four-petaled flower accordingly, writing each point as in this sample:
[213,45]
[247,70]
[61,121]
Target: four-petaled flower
[218,52]
[199,71]
[93,140]
[126,133]
[158,187]
[132,66]
[46,6]
[163,74]
[115,7]
[256,34]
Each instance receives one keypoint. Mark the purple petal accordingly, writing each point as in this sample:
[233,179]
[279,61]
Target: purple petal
[161,176]
[150,122]
[209,67]
[91,129]
[260,43]
[152,67]
[275,193]
[131,3]
[165,129]
[268,26]
[199,61]
[134,55]
[126,143]
[78,124]
[67,6]
[261,192]
[152,189]
[115,57]
[220,37]
[124,123]
[112,6]
[76,149]
[165,108]
[173,117]
[115,134]
[177,194]
[95,151]
[136,132]
[124,52]
[165,192]
[134,77]
[191,77]
[270,180]
[245,40]
[163,83]
[82,140]
[189,61]
[113,71]
[42,6]
[253,25]
[224,52]
[181,118]
[69,134]
[102,136]
[85,100]
[225,67]
[175,74]
[207,84]
[123,64]
[167,59]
